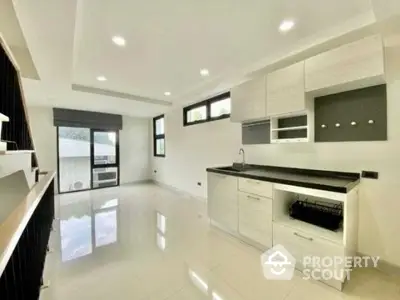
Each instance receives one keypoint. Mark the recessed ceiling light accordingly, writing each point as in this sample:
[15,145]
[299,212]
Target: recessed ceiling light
[167,93]
[204,72]
[118,40]
[101,78]
[286,25]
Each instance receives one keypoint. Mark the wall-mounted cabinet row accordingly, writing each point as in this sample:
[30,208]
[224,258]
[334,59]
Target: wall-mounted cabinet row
[357,115]
[352,66]
[248,101]
[290,90]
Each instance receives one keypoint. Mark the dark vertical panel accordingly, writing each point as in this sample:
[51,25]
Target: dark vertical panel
[357,106]
[22,276]
[11,104]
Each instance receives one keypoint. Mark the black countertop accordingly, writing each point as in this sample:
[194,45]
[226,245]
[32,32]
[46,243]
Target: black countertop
[340,182]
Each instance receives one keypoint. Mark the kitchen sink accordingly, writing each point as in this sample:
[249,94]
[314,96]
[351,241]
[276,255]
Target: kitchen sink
[236,167]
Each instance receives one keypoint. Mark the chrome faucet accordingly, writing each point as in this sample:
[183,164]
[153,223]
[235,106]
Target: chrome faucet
[241,151]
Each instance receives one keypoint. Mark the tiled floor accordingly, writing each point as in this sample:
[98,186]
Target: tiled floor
[146,242]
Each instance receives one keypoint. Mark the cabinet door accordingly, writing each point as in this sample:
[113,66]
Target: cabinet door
[301,244]
[285,90]
[255,218]
[248,100]
[350,66]
[222,200]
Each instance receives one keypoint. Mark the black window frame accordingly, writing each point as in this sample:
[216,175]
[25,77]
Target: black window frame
[158,136]
[207,103]
[92,159]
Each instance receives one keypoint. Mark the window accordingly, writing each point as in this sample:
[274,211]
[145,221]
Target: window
[221,108]
[159,136]
[197,114]
[216,108]
[87,158]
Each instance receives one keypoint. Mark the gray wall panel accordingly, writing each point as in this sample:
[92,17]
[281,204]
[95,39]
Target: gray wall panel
[358,106]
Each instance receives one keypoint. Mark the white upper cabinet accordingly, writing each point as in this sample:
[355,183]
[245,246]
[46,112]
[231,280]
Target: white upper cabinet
[352,66]
[248,101]
[285,90]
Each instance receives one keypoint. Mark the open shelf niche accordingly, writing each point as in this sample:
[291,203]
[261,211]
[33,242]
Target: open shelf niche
[292,128]
[344,235]
[282,216]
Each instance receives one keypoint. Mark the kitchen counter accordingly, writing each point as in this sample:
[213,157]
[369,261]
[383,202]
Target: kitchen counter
[340,182]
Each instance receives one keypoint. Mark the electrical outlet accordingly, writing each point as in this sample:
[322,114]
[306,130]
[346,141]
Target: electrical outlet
[369,174]
[199,183]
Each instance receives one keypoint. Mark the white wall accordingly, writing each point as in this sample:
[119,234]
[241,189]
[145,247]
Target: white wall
[190,150]
[135,150]
[44,138]
[134,144]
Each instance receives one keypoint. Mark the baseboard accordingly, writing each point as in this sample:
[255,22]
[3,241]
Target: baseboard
[137,182]
[179,191]
[385,266]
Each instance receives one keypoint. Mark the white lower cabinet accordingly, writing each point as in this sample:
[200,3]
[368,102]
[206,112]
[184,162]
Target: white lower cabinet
[255,218]
[302,244]
[250,210]
[256,187]
[222,200]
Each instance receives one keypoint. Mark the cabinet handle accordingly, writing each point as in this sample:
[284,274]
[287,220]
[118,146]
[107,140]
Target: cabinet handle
[303,237]
[254,198]
[220,175]
[252,181]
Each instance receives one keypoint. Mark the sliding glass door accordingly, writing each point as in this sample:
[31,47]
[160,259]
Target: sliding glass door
[73,159]
[87,159]
[104,161]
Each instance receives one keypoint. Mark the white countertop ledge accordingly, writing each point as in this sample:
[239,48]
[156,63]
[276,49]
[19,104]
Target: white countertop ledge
[13,226]
[12,152]
[4,118]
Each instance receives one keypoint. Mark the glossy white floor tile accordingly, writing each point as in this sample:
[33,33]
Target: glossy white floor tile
[147,242]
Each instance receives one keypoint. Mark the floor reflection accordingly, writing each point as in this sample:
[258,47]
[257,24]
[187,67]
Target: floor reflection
[161,230]
[81,235]
[76,237]
[106,227]
[204,287]
[199,282]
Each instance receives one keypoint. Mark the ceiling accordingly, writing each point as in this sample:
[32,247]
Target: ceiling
[12,33]
[168,42]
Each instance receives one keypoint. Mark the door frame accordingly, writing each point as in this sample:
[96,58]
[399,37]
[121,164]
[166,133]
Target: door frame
[92,165]
[92,156]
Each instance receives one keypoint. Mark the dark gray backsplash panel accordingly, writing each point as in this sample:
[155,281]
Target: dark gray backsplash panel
[258,133]
[359,106]
[292,134]
[292,121]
